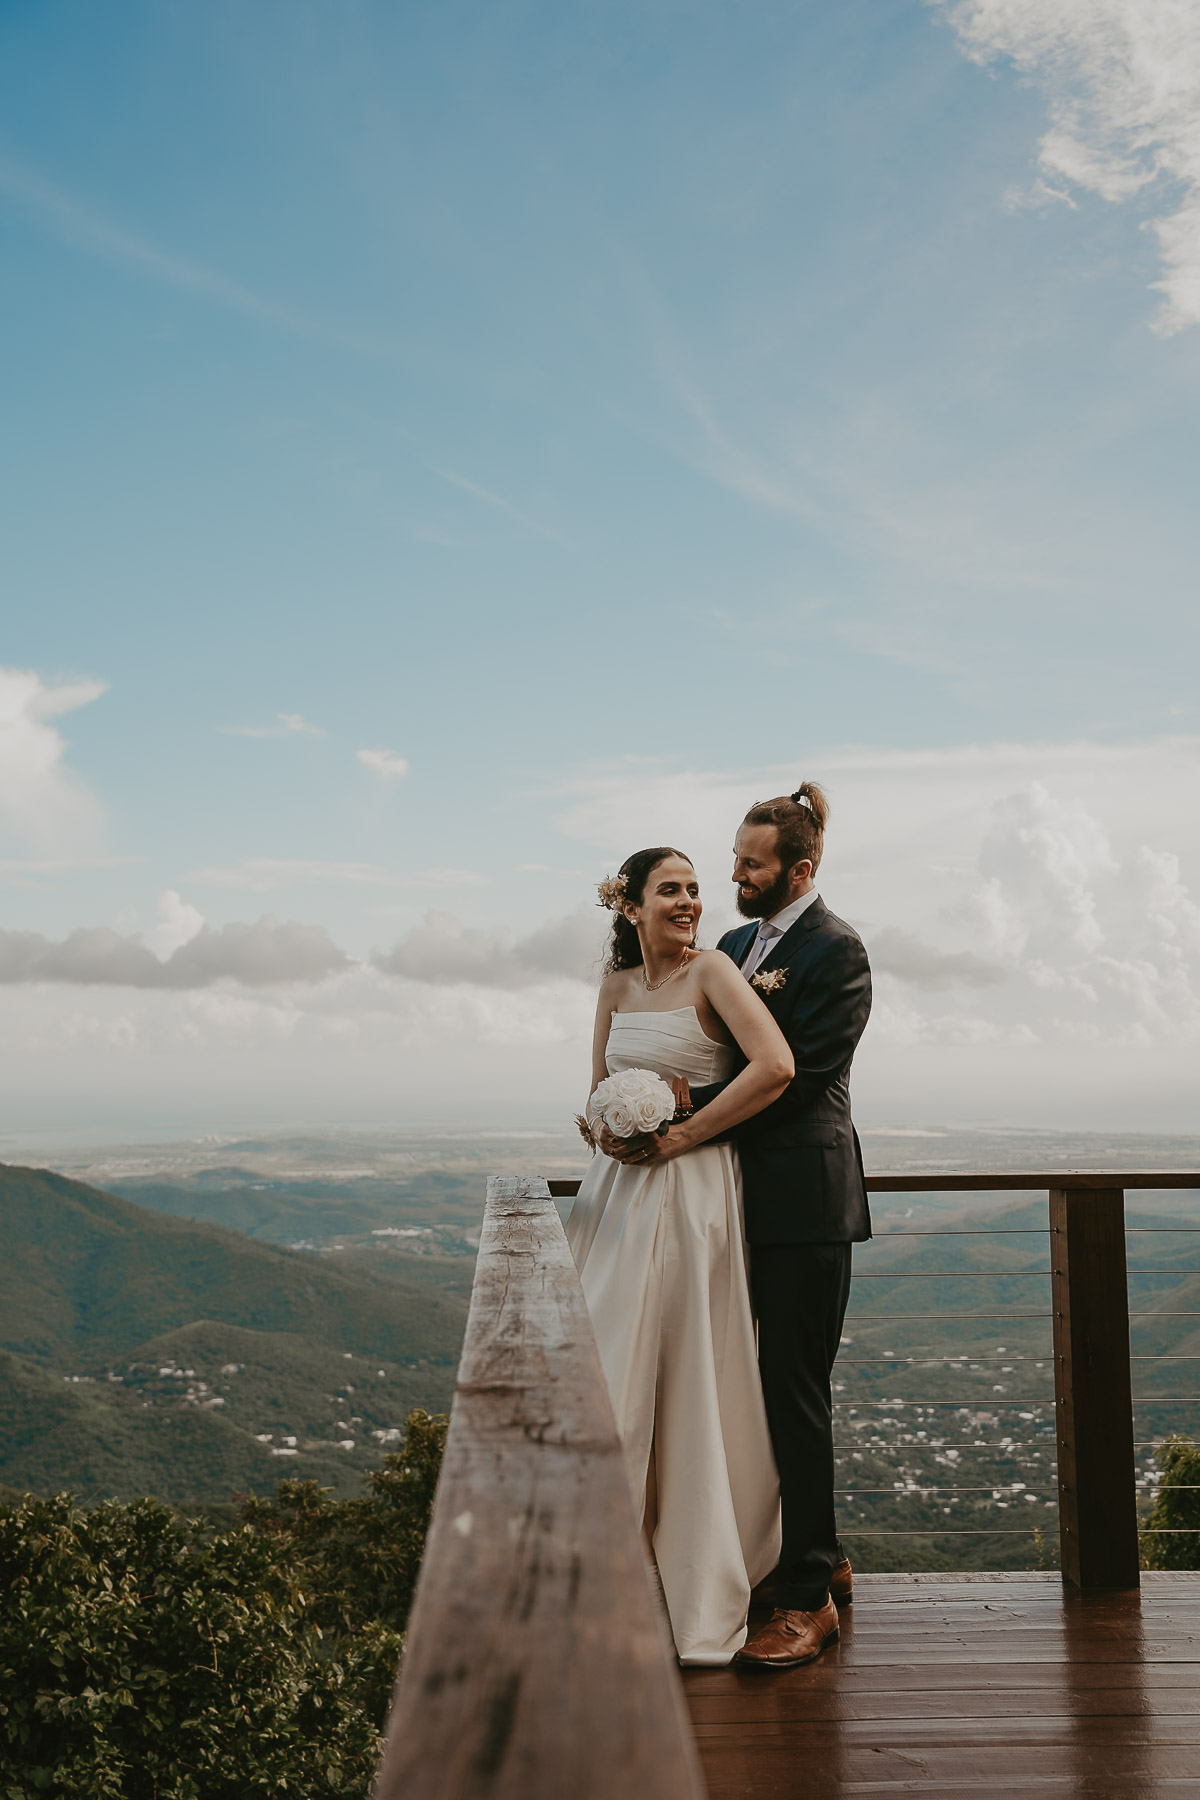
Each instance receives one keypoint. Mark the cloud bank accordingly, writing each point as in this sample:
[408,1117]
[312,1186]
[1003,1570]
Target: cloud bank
[1045,890]
[42,801]
[1122,79]
[266,954]
[903,955]
[1030,911]
[444,952]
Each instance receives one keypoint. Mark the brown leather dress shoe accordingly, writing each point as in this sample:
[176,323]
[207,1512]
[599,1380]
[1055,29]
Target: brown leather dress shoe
[841,1583]
[790,1638]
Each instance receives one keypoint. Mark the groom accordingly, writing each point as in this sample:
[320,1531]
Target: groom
[805,1197]
[804,1194]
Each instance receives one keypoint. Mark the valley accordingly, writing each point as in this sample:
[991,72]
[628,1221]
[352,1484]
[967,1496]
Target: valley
[202,1318]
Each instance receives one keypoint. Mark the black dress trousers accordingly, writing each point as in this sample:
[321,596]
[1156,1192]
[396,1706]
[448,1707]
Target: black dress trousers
[800,1293]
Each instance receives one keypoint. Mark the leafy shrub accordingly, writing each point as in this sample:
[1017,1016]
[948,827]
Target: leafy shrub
[145,1657]
[359,1558]
[1173,1526]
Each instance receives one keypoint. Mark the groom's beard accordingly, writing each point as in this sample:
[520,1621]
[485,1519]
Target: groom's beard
[768,901]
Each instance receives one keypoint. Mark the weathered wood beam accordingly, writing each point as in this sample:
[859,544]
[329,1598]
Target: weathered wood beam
[537,1665]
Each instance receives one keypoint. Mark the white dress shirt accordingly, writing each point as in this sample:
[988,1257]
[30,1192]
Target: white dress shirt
[771,930]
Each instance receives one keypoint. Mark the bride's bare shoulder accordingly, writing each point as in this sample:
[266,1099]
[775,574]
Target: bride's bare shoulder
[713,966]
[613,987]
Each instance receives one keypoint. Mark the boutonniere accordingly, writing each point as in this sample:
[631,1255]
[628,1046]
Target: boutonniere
[767,980]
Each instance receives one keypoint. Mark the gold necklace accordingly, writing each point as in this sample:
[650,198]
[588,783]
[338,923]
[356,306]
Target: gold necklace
[652,987]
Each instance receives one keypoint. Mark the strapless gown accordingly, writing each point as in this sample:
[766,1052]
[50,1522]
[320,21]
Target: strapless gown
[661,1255]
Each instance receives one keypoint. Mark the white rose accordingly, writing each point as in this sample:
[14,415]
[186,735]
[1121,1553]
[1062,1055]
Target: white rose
[648,1111]
[620,1119]
[633,1083]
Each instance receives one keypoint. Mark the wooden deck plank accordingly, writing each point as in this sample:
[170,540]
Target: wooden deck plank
[807,1688]
[781,1775]
[1044,1701]
[969,1686]
[944,1732]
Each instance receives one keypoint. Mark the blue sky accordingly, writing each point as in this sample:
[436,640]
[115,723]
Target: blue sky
[579,404]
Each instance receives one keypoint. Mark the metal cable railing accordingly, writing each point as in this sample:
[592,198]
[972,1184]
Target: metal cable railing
[1145,1401]
[1081,1436]
[876,1427]
[930,1488]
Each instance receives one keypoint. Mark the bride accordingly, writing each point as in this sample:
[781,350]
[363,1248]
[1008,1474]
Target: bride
[656,1232]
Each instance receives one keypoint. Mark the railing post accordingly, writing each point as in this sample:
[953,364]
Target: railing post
[1094,1404]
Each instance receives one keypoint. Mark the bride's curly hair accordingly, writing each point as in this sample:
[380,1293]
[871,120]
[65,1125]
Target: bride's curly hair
[624,948]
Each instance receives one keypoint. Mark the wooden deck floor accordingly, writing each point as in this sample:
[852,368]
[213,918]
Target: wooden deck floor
[972,1685]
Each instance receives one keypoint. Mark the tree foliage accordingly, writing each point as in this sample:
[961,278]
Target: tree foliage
[1172,1539]
[148,1657]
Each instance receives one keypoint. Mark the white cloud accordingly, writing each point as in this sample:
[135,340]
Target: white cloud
[445,952]
[1122,78]
[383,762]
[285,725]
[178,924]
[1050,885]
[41,800]
[264,954]
[260,873]
[902,954]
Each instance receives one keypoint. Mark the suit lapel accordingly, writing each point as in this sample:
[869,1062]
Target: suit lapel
[794,938]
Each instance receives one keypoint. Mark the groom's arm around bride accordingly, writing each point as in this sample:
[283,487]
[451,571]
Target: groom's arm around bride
[801,1159]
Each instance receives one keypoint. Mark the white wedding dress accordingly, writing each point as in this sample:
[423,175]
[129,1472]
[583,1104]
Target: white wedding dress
[662,1258]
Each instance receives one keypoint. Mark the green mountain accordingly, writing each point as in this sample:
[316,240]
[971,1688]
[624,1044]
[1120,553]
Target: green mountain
[306,1207]
[147,1353]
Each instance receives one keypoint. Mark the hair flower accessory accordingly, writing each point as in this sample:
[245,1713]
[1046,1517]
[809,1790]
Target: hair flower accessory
[768,980]
[612,892]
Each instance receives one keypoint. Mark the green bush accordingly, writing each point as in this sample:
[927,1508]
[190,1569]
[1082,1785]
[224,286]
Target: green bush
[1172,1539]
[145,1657]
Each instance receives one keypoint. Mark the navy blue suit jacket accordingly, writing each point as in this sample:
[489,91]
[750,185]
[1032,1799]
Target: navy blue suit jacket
[802,1168]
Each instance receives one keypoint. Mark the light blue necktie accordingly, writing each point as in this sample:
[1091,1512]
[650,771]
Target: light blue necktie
[763,945]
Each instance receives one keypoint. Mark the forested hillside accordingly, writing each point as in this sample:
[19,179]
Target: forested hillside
[150,1354]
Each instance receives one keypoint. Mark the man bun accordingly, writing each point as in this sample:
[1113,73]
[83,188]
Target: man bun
[799,821]
[808,794]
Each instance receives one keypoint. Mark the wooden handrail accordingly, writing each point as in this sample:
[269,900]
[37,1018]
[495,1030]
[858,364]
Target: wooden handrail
[537,1666]
[1024,1181]
[1093,1401]
[1018,1181]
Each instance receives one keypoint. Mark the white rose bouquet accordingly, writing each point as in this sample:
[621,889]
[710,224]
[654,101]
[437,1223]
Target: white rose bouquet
[634,1103]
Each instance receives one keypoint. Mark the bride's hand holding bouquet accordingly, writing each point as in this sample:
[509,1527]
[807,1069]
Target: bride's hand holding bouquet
[630,1106]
